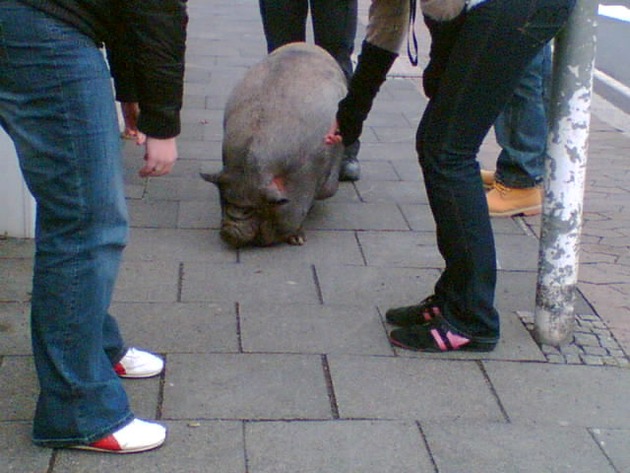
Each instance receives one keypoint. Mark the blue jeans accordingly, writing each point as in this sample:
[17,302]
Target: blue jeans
[496,42]
[334,26]
[57,105]
[521,129]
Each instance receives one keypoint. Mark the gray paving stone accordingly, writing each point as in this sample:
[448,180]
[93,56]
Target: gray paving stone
[15,335]
[209,447]
[615,443]
[153,214]
[16,275]
[16,247]
[306,328]
[587,396]
[340,247]
[17,453]
[244,386]
[248,283]
[199,215]
[162,244]
[372,170]
[401,249]
[346,193]
[18,388]
[376,286]
[207,151]
[407,389]
[395,134]
[181,188]
[409,170]
[395,152]
[516,291]
[144,397]
[419,217]
[178,327]
[501,448]
[407,192]
[350,216]
[335,447]
[517,252]
[150,281]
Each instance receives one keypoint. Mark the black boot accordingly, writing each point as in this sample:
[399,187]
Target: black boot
[350,168]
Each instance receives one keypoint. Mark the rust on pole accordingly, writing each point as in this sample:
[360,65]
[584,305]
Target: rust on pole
[565,170]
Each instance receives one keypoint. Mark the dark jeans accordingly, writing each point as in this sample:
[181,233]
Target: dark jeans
[56,103]
[496,42]
[334,25]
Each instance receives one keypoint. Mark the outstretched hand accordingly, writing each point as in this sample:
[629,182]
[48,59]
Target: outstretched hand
[160,156]
[333,137]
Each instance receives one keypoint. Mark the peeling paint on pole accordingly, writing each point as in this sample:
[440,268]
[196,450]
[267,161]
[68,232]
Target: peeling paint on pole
[574,59]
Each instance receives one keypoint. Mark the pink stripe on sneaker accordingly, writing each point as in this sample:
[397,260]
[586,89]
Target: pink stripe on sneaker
[438,339]
[456,341]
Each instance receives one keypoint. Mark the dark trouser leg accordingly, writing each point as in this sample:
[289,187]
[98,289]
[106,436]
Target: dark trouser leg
[497,41]
[284,21]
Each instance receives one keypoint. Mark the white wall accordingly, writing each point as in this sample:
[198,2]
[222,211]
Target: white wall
[17,207]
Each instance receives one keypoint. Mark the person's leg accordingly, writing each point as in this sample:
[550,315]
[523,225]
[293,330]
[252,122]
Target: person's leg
[284,21]
[521,132]
[334,29]
[497,41]
[521,128]
[56,103]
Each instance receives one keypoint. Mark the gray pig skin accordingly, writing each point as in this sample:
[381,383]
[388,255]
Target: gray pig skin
[275,161]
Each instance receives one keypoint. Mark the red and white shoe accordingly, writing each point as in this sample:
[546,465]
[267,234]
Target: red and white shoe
[139,364]
[138,436]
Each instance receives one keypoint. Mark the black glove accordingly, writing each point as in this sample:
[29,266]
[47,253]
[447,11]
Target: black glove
[443,37]
[371,72]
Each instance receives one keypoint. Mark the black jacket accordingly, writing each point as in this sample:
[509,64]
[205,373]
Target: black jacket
[146,41]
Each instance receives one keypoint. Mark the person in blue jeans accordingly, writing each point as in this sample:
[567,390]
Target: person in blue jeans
[521,131]
[479,51]
[57,105]
[334,29]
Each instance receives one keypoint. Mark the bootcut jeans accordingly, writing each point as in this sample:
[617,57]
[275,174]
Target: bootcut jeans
[56,103]
[496,42]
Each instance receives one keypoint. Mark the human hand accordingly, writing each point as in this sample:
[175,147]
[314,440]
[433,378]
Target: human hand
[160,156]
[130,113]
[333,137]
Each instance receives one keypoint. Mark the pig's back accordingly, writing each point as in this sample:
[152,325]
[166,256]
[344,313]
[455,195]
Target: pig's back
[283,105]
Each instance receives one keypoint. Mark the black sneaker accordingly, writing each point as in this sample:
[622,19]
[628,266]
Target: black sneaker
[417,314]
[436,337]
[350,168]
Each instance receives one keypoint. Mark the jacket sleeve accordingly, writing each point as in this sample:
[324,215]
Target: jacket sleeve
[388,21]
[152,67]
[387,28]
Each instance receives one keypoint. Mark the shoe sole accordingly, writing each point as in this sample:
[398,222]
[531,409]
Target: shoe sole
[144,448]
[527,211]
[140,376]
[470,347]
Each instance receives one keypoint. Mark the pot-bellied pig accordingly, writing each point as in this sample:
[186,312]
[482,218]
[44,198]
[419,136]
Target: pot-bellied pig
[275,161]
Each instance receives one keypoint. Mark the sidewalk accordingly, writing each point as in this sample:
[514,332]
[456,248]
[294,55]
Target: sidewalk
[278,359]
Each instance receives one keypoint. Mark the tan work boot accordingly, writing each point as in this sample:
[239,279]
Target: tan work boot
[509,201]
[487,177]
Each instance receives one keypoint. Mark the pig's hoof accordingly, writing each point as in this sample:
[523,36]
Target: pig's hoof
[297,240]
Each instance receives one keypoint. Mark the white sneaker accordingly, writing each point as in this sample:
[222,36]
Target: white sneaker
[139,364]
[138,436]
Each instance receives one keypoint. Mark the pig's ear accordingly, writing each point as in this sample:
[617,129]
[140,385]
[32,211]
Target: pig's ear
[274,193]
[217,178]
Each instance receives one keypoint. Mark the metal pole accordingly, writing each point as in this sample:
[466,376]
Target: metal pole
[574,60]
